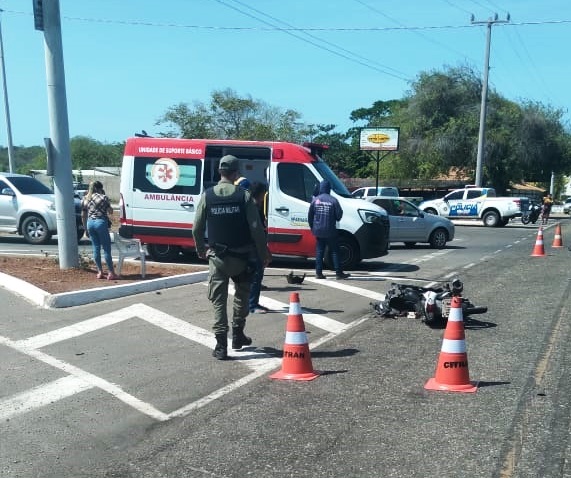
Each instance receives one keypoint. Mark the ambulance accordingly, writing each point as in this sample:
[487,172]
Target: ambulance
[162,180]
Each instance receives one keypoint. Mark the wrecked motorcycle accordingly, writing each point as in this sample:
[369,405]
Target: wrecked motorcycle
[430,304]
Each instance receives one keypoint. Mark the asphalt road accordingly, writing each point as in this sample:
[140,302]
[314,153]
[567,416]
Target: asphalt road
[127,387]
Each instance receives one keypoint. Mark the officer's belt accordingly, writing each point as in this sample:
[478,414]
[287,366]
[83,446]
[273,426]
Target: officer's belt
[222,251]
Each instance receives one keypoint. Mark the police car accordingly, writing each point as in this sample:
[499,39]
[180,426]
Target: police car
[477,203]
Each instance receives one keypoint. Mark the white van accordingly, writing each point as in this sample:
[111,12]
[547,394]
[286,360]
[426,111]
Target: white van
[162,180]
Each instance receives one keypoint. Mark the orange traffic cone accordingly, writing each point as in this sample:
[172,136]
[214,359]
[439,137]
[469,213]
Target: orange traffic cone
[452,373]
[296,362]
[557,240]
[538,250]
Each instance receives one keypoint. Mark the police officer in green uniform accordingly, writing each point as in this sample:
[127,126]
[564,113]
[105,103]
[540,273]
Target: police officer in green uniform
[235,233]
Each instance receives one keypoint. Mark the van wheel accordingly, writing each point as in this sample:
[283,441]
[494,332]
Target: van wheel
[35,230]
[349,254]
[163,252]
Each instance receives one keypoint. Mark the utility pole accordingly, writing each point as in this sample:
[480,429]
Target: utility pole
[481,135]
[47,18]
[6,107]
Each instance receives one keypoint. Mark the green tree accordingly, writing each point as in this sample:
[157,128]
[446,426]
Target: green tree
[87,153]
[439,125]
[229,116]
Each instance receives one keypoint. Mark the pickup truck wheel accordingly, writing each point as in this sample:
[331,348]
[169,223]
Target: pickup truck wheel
[438,239]
[35,230]
[349,254]
[163,252]
[491,219]
[431,211]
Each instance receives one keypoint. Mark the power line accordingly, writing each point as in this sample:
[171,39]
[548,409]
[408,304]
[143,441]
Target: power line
[495,6]
[456,6]
[325,41]
[418,33]
[354,58]
[478,4]
[535,71]
[292,29]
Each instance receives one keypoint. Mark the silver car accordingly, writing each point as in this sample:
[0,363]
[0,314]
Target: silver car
[411,225]
[27,207]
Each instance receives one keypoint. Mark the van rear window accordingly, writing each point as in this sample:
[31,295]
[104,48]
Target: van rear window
[177,176]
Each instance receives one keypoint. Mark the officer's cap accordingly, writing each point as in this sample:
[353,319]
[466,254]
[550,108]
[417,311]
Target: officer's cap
[229,163]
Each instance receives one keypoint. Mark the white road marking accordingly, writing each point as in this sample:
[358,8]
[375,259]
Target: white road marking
[181,412]
[78,380]
[433,255]
[11,252]
[197,334]
[75,330]
[345,286]
[43,395]
[248,378]
[317,320]
[94,380]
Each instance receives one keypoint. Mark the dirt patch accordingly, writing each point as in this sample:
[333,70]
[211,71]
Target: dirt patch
[46,274]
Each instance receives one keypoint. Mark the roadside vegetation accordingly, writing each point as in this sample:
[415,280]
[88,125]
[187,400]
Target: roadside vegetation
[438,120]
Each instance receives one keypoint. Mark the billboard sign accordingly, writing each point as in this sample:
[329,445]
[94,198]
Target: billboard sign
[379,139]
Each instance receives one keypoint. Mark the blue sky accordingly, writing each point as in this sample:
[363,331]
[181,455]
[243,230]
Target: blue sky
[127,61]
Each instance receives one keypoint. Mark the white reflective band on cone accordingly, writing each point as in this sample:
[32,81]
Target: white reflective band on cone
[295,338]
[294,308]
[453,346]
[455,314]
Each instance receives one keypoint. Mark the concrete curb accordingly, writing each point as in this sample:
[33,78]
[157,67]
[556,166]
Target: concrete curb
[45,300]
[24,289]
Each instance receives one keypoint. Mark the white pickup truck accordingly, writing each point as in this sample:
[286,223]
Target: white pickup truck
[477,203]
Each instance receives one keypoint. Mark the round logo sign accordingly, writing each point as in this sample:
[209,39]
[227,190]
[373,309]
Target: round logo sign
[165,173]
[378,138]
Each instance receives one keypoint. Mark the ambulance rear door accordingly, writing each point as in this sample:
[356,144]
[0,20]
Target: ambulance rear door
[166,191]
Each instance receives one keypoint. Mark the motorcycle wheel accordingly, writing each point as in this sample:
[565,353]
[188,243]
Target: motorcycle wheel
[525,219]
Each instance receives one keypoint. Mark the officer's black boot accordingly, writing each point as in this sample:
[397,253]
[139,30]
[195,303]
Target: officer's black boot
[238,337]
[220,352]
